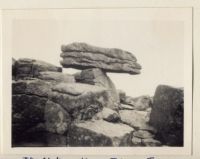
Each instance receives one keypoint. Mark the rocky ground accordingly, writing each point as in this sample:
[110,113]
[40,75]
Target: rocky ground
[51,108]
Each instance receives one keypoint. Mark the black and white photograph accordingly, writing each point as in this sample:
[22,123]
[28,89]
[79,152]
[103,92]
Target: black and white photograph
[99,78]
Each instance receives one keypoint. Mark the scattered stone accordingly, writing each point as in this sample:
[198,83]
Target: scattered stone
[151,142]
[143,134]
[108,115]
[136,119]
[99,133]
[167,115]
[84,56]
[139,103]
[99,78]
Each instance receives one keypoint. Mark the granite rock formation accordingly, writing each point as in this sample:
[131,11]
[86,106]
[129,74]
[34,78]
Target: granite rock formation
[84,56]
[52,108]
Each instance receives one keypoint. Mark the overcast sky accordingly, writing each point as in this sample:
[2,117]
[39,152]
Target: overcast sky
[157,44]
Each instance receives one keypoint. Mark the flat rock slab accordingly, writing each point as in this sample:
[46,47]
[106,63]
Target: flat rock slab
[99,133]
[56,77]
[83,56]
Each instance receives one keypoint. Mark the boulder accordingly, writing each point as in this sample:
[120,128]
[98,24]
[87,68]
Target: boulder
[84,56]
[108,115]
[138,103]
[57,120]
[167,115]
[30,68]
[99,78]
[99,133]
[136,119]
[81,101]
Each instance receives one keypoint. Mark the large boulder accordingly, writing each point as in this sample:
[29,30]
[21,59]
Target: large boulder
[82,101]
[167,115]
[84,56]
[100,133]
[30,68]
[99,78]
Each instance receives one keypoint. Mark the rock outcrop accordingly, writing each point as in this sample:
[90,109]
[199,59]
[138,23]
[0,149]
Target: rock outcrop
[167,115]
[84,56]
[52,108]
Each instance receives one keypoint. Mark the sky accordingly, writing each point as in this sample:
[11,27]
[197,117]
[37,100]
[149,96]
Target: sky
[157,44]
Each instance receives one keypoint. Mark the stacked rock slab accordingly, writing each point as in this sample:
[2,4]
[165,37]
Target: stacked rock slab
[95,62]
[83,56]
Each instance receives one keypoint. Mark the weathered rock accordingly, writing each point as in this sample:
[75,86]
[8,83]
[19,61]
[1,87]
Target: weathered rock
[56,77]
[142,134]
[108,115]
[82,101]
[99,78]
[139,103]
[27,112]
[57,120]
[99,133]
[136,119]
[167,115]
[28,109]
[151,142]
[32,87]
[26,68]
[84,56]
[136,141]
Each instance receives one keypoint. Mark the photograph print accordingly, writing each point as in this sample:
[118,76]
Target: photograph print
[97,78]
